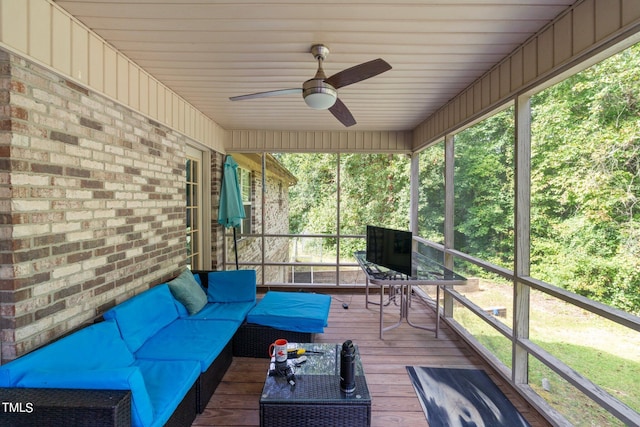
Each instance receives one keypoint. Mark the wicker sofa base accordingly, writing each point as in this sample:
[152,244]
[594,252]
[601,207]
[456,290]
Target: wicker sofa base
[253,340]
[185,413]
[28,407]
[209,380]
[315,415]
[65,407]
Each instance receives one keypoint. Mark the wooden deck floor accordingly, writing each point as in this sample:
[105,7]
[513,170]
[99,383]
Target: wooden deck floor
[394,402]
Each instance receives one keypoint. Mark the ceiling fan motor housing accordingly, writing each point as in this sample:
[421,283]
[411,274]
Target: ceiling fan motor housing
[319,95]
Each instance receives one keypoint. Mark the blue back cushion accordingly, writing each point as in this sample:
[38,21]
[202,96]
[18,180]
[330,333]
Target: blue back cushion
[97,346]
[142,316]
[231,286]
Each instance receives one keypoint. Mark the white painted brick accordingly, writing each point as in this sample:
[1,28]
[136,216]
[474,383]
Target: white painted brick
[92,263]
[79,194]
[31,329]
[116,222]
[64,315]
[63,159]
[64,115]
[20,100]
[49,287]
[94,205]
[66,182]
[93,105]
[78,108]
[110,167]
[80,235]
[91,164]
[104,213]
[114,186]
[18,179]
[47,145]
[78,215]
[102,118]
[116,204]
[114,149]
[91,144]
[77,151]
[134,252]
[66,227]
[66,270]
[141,227]
[114,113]
[19,205]
[123,195]
[104,158]
[21,140]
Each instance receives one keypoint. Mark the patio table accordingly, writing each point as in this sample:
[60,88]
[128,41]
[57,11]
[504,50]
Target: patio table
[316,398]
[426,272]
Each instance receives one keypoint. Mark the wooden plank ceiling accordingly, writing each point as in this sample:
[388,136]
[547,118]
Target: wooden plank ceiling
[210,50]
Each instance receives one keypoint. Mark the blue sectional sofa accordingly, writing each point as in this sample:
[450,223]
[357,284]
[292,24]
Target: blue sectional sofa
[167,347]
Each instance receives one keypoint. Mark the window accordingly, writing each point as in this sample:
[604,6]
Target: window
[244,177]
[193,211]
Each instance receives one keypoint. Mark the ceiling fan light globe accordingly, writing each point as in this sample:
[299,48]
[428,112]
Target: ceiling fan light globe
[320,100]
[319,95]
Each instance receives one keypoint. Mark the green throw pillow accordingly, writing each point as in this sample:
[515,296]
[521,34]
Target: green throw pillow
[186,290]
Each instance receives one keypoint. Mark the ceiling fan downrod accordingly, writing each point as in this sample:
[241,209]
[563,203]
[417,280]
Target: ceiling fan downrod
[318,94]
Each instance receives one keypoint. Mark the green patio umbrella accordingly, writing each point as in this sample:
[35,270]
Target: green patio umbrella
[231,211]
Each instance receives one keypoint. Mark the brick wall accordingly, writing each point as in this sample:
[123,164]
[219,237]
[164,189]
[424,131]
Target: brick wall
[92,204]
[276,221]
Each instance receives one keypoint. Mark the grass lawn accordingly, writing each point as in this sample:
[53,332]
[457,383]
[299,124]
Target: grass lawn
[605,353]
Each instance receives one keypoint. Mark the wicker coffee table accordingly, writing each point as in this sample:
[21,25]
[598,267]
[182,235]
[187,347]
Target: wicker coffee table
[316,399]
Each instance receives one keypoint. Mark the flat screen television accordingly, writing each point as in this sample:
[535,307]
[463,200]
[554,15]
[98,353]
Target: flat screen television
[389,248]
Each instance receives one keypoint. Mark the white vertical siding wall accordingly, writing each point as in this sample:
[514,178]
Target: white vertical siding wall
[301,141]
[584,29]
[44,32]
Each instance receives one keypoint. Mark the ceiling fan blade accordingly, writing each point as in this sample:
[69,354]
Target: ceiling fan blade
[358,73]
[266,94]
[342,113]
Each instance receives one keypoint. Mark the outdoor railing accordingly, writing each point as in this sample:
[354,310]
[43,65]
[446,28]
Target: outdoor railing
[603,398]
[519,365]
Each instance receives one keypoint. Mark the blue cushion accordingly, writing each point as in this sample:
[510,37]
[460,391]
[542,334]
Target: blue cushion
[77,351]
[129,378]
[197,340]
[167,383]
[224,311]
[142,316]
[231,286]
[292,311]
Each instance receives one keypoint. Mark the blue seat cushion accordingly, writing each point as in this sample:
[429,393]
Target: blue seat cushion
[236,311]
[197,340]
[141,317]
[167,383]
[292,311]
[77,351]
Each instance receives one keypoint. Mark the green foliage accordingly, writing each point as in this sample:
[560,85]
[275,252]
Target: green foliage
[586,182]
[484,189]
[374,189]
[431,194]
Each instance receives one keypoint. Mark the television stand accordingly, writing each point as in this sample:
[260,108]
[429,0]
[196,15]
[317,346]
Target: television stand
[427,273]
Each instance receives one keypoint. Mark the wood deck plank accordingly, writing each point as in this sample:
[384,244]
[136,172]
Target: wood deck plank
[394,401]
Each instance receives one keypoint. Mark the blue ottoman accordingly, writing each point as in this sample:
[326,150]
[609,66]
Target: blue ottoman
[294,316]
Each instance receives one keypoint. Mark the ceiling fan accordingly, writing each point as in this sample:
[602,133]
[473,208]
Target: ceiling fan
[321,93]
